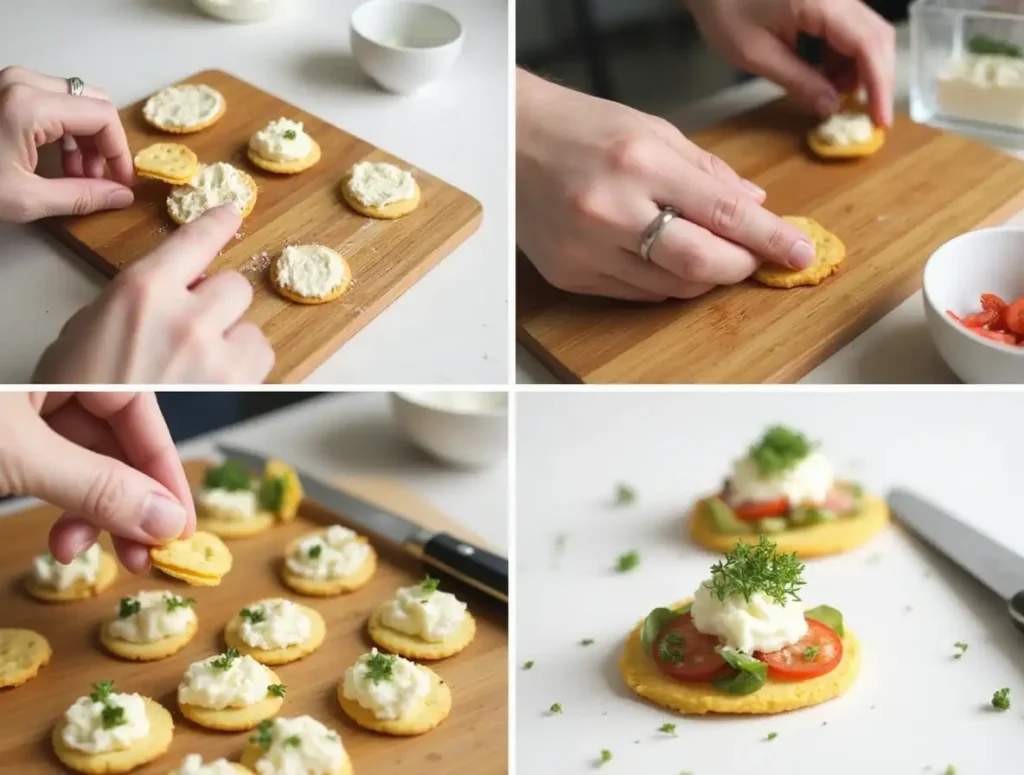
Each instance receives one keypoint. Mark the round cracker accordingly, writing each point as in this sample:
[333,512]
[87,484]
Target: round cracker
[192,579]
[252,753]
[291,498]
[829,253]
[246,211]
[22,654]
[414,647]
[201,555]
[161,160]
[236,767]
[146,652]
[80,590]
[286,167]
[433,709]
[143,751]
[292,295]
[191,128]
[327,587]
[281,656]
[235,719]
[833,537]
[386,212]
[824,150]
[643,677]
[232,527]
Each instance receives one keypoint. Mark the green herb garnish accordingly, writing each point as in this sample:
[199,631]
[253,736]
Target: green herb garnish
[771,735]
[429,585]
[174,602]
[1001,699]
[828,616]
[961,648]
[264,734]
[528,664]
[950,770]
[624,494]
[113,716]
[750,676]
[587,642]
[289,134]
[627,561]
[254,615]
[668,729]
[224,661]
[778,450]
[671,648]
[760,568]
[811,652]
[101,691]
[556,708]
[276,690]
[380,667]
[982,44]
[272,493]
[606,756]
[230,475]
[315,551]
[656,621]
[294,741]
[129,607]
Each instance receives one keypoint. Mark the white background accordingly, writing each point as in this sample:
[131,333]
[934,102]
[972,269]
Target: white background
[452,326]
[913,705]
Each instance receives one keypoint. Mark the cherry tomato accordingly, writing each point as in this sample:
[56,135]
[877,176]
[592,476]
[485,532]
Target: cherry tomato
[992,302]
[685,653]
[980,319]
[777,508]
[1014,316]
[816,653]
[995,336]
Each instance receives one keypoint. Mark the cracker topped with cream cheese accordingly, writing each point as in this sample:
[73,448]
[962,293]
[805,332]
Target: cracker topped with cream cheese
[311,274]
[211,186]
[184,109]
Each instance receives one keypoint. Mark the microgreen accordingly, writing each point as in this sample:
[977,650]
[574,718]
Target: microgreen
[230,475]
[315,551]
[759,568]
[272,493]
[113,716]
[129,607]
[380,667]
[174,602]
[628,561]
[556,708]
[101,691]
[771,735]
[668,729]
[778,450]
[961,648]
[429,585]
[587,642]
[624,494]
[671,648]
[276,690]
[264,734]
[225,660]
[606,756]
[254,615]
[811,652]
[1001,699]
[289,134]
[294,741]
[528,665]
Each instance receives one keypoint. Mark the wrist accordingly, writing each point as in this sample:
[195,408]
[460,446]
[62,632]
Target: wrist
[532,105]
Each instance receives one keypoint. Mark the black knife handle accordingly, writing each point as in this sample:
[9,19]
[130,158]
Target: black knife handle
[1016,606]
[471,564]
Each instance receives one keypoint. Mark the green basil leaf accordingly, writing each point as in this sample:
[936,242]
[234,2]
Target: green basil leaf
[750,676]
[656,621]
[828,616]
[272,493]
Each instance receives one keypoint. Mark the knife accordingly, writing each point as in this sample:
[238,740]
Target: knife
[995,566]
[470,564]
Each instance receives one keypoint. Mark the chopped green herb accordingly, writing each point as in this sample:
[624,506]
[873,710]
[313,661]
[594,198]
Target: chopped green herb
[276,690]
[950,770]
[429,585]
[174,602]
[811,652]
[528,664]
[668,729]
[627,561]
[1001,699]
[230,475]
[656,621]
[760,568]
[208,553]
[750,676]
[129,607]
[624,494]
[606,756]
[587,642]
[380,667]
[101,691]
[671,648]
[264,734]
[315,551]
[982,44]
[225,660]
[113,716]
[961,648]
[771,735]
[272,493]
[294,741]
[556,707]
[254,615]
[289,134]
[778,450]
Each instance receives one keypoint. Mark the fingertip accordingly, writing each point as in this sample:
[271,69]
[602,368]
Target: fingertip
[134,556]
[69,537]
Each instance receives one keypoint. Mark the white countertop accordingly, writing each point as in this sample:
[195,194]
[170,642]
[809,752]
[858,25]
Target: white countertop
[913,704]
[354,434]
[452,326]
[897,349]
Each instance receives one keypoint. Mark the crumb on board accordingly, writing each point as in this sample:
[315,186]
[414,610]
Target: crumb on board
[257,265]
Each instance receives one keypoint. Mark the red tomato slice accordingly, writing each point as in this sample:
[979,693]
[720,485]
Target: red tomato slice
[992,302]
[816,653]
[995,336]
[753,510]
[979,319]
[1013,316]
[700,662]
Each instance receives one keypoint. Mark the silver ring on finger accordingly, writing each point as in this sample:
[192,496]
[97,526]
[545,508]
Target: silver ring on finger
[75,86]
[653,231]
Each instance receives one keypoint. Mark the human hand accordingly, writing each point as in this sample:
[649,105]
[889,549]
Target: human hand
[162,321]
[760,36]
[107,459]
[36,110]
[592,175]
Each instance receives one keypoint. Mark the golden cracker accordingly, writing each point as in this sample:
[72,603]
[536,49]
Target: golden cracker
[238,768]
[246,211]
[202,555]
[387,212]
[235,719]
[291,498]
[827,151]
[413,647]
[191,128]
[153,746]
[146,652]
[252,753]
[433,709]
[829,253]
[169,162]
[80,590]
[22,654]
[282,656]
[286,167]
[298,298]
[328,587]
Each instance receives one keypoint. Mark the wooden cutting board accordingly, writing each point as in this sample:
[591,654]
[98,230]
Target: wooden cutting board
[892,210]
[386,257]
[472,739]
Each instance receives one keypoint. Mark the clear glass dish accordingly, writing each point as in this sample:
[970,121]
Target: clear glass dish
[967,67]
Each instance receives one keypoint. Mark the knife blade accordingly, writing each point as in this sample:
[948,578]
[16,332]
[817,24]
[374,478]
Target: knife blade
[995,566]
[471,564]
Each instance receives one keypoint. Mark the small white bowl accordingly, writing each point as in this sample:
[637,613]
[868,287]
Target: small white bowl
[240,10]
[982,261]
[402,45]
[467,430]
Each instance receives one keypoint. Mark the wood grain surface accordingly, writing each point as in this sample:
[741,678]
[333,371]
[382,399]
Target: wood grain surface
[472,740]
[387,257]
[892,210]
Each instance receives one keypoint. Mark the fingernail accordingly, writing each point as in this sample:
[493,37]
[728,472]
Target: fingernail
[827,104]
[802,254]
[79,544]
[120,199]
[162,518]
[754,188]
[233,206]
[69,143]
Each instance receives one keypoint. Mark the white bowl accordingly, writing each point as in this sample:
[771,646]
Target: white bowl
[402,45]
[240,10]
[982,261]
[468,430]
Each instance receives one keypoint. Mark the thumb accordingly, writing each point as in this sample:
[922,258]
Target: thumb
[105,492]
[78,196]
[185,255]
[771,58]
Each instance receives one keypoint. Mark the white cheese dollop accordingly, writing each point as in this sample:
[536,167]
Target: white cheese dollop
[212,185]
[84,729]
[50,573]
[336,554]
[387,698]
[844,129]
[193,765]
[319,751]
[282,140]
[205,686]
[311,270]
[758,625]
[809,481]
[284,624]
[237,504]
[432,616]
[185,105]
[153,621]
[376,184]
